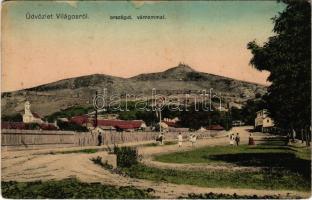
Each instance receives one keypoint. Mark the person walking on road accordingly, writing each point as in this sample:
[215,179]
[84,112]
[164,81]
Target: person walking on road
[237,139]
[232,139]
[100,139]
[180,139]
[193,140]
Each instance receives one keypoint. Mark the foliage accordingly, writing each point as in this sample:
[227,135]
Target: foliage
[126,156]
[98,161]
[287,56]
[12,118]
[195,119]
[69,189]
[249,111]
[157,144]
[266,179]
[69,126]
[69,112]
[87,151]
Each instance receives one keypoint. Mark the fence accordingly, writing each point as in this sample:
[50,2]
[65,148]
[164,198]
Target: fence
[31,138]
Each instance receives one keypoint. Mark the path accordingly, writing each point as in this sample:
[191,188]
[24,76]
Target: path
[34,165]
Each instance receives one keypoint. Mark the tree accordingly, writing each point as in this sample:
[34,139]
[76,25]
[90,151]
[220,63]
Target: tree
[286,55]
[195,119]
[12,118]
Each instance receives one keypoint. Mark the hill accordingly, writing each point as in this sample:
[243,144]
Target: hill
[174,82]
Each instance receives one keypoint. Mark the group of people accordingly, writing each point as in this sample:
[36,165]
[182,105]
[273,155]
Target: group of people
[234,139]
[193,138]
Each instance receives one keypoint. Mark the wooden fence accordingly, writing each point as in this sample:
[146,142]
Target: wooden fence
[30,138]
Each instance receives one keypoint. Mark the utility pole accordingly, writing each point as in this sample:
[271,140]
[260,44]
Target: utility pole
[96,114]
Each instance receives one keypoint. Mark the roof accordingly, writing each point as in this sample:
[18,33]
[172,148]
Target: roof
[122,124]
[25,126]
[47,127]
[13,125]
[80,120]
[36,115]
[216,127]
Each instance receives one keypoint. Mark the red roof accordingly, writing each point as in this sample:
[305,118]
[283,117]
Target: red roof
[122,124]
[215,127]
[21,125]
[47,127]
[80,120]
[13,125]
[36,115]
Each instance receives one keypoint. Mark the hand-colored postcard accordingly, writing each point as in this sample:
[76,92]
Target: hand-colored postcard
[156,99]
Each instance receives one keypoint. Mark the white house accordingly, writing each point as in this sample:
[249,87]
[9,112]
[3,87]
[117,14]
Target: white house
[30,117]
[263,121]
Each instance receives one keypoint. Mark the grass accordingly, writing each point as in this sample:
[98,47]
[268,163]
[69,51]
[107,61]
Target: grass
[267,179]
[268,155]
[156,144]
[88,151]
[69,189]
[284,167]
[212,195]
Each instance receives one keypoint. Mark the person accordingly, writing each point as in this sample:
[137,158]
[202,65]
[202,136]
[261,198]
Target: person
[237,139]
[180,139]
[251,141]
[99,139]
[232,139]
[193,139]
[293,135]
[158,139]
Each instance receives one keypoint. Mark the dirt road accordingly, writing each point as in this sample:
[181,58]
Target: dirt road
[41,165]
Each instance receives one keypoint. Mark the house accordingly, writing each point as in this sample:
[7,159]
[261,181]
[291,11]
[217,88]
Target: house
[238,123]
[122,125]
[109,124]
[30,117]
[263,122]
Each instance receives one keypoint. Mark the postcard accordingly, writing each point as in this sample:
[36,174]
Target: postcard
[156,99]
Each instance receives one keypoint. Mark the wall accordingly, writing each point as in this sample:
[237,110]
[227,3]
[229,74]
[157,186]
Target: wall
[41,139]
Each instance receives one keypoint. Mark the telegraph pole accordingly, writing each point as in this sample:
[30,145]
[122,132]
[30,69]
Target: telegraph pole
[96,114]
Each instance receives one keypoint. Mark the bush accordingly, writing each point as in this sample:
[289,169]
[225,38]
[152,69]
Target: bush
[126,156]
[69,126]
[105,164]
[12,118]
[69,189]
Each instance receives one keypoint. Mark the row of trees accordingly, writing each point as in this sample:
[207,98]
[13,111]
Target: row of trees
[287,56]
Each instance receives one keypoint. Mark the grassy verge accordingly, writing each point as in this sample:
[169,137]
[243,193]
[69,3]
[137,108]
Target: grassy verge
[88,151]
[266,179]
[284,167]
[290,159]
[69,189]
[156,144]
[211,195]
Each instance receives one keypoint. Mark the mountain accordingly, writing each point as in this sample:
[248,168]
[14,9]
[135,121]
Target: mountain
[174,82]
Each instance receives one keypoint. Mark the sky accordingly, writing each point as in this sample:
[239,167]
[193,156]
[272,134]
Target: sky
[209,36]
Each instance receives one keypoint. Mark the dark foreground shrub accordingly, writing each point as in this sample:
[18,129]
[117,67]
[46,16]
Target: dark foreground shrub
[126,156]
[69,189]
